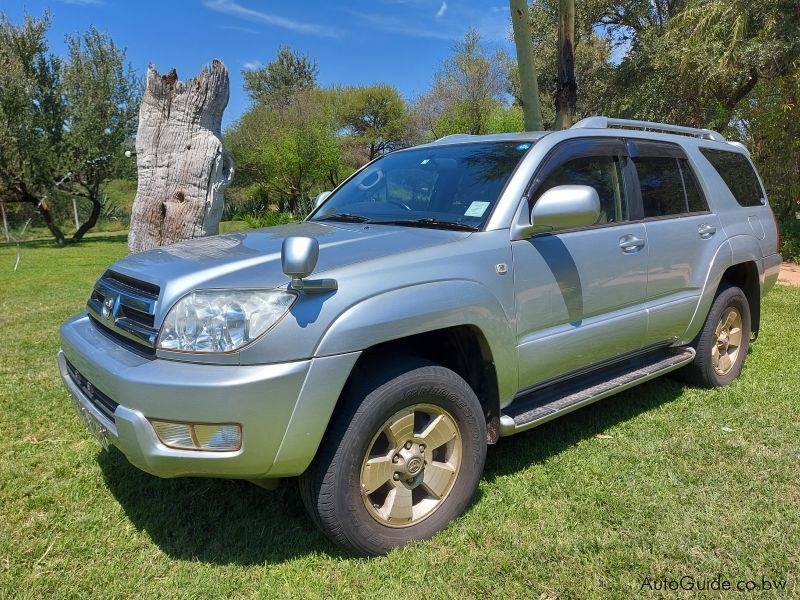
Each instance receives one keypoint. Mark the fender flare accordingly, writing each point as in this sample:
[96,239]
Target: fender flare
[422,308]
[736,250]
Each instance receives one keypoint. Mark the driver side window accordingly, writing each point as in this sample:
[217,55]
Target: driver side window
[604,174]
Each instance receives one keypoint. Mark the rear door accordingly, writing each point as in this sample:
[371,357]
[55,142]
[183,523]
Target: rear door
[580,292]
[682,236]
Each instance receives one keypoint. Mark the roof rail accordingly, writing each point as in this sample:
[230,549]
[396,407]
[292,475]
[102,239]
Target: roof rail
[607,123]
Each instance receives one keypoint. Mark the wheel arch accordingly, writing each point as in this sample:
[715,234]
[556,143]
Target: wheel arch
[392,318]
[736,263]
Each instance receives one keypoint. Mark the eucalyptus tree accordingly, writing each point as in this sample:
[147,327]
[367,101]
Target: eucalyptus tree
[526,67]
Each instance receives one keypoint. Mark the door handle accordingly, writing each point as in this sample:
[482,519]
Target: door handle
[706,231]
[630,244]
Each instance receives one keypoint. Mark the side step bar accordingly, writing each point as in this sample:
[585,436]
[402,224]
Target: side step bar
[555,399]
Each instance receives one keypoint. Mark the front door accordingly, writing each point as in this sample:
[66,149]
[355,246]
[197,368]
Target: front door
[580,293]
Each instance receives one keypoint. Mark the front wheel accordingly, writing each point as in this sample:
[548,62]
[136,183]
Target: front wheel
[723,342]
[401,459]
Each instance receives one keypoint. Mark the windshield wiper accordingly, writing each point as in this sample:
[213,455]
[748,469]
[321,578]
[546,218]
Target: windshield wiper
[345,218]
[429,222]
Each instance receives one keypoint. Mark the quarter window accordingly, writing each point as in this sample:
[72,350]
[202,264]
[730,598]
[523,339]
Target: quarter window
[603,173]
[738,174]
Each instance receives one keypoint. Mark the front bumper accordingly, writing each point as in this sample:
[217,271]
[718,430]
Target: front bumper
[283,408]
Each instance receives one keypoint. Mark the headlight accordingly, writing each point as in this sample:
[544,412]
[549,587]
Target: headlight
[222,320]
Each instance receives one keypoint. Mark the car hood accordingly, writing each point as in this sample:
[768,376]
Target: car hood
[252,259]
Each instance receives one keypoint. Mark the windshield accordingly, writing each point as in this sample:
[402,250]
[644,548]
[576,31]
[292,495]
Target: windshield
[451,186]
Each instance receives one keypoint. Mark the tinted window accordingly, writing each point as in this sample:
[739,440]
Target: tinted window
[600,172]
[458,183]
[738,174]
[661,185]
[694,195]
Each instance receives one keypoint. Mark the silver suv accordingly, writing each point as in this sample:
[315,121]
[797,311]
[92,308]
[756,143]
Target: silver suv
[463,291]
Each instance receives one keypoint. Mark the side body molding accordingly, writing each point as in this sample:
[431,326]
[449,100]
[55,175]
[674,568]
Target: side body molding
[426,307]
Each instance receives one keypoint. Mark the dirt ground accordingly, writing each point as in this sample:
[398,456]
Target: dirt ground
[790,274]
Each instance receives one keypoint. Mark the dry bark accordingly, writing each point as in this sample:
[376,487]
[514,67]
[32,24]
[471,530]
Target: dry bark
[182,166]
[567,90]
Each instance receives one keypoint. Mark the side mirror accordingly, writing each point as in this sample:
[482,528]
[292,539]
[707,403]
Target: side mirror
[566,206]
[321,197]
[298,258]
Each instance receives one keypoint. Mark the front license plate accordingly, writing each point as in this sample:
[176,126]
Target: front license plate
[93,425]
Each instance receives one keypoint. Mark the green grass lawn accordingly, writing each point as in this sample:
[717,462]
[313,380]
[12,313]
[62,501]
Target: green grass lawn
[660,481]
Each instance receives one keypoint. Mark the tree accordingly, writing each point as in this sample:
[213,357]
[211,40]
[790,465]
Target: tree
[102,97]
[281,80]
[64,124]
[374,118]
[466,91]
[528,83]
[731,45]
[566,90]
[182,166]
[593,70]
[287,153]
[31,117]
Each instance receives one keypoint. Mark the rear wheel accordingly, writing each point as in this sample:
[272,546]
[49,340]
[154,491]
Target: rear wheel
[401,459]
[723,342]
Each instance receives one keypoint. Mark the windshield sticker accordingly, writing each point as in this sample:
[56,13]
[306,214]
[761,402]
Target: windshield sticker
[476,209]
[523,147]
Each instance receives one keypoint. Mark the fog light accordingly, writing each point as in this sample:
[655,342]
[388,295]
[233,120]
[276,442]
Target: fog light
[217,437]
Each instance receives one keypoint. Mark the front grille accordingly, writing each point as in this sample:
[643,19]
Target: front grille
[126,307]
[98,399]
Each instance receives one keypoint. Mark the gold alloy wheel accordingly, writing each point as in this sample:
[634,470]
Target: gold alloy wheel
[411,465]
[727,341]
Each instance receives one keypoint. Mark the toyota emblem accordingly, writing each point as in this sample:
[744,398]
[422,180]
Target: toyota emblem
[108,307]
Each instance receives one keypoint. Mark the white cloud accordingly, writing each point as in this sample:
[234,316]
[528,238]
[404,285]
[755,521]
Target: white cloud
[403,27]
[229,7]
[414,18]
[237,28]
[252,65]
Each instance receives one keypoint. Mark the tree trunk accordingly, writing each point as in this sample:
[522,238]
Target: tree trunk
[90,222]
[567,90]
[529,85]
[182,166]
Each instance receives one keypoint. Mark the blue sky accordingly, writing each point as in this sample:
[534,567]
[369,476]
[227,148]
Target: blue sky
[401,42]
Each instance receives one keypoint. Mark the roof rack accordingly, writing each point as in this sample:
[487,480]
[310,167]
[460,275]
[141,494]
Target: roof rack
[608,123]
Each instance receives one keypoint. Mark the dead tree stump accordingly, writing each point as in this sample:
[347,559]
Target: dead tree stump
[182,166]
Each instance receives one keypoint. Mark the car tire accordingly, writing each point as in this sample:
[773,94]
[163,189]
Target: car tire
[721,346]
[402,457]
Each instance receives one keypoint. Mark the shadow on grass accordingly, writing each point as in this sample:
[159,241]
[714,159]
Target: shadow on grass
[121,236]
[214,520]
[537,445]
[234,522]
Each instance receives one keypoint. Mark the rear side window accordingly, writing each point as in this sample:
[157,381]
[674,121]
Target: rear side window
[738,174]
[662,186]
